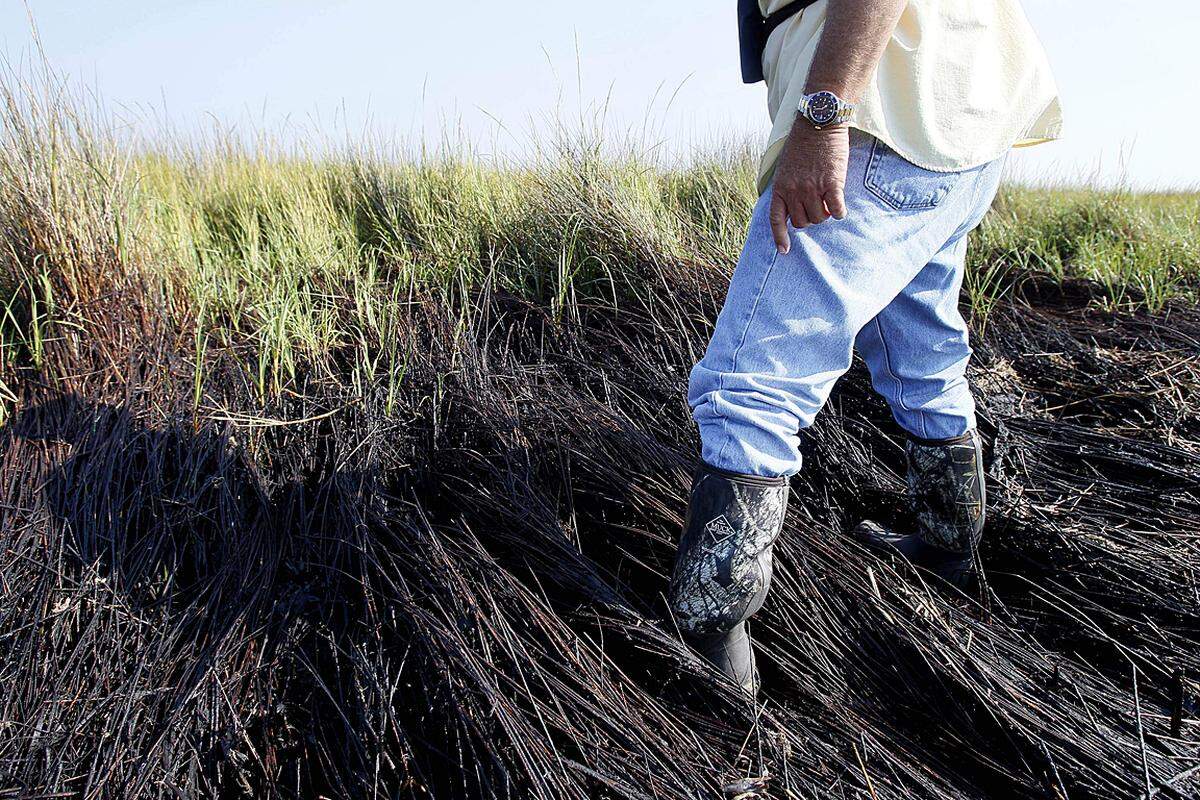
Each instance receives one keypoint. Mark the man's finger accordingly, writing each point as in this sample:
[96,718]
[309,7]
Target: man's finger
[815,209]
[779,217]
[835,201]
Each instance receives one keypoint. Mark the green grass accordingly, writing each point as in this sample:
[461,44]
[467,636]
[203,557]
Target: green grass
[1144,249]
[296,258]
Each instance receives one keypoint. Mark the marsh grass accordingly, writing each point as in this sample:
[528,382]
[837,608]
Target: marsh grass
[1143,249]
[296,257]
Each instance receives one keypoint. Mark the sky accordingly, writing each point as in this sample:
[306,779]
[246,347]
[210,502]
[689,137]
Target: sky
[667,71]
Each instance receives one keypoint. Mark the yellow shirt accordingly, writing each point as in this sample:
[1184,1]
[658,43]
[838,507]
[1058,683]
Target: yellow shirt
[959,83]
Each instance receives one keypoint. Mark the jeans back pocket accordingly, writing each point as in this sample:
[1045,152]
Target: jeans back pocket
[902,184]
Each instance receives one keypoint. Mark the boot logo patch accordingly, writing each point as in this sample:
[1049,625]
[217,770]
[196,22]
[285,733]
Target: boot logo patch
[719,528]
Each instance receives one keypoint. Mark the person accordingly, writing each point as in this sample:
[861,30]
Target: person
[891,120]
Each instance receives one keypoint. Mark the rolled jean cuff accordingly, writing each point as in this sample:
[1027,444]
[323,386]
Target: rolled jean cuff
[937,427]
[743,477]
[743,448]
[960,439]
[946,416]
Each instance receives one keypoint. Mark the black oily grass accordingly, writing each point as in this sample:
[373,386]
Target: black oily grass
[459,593]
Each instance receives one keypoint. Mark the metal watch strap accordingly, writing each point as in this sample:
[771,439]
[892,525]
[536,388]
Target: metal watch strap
[844,113]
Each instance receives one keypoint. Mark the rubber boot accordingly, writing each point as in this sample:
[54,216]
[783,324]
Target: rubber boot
[731,653]
[947,494]
[723,568]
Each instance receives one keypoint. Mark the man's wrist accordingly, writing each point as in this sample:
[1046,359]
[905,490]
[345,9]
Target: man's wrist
[803,129]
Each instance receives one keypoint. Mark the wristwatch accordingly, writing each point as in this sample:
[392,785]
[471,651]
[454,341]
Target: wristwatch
[824,108]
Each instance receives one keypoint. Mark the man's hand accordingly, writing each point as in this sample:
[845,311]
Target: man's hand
[811,176]
[810,179]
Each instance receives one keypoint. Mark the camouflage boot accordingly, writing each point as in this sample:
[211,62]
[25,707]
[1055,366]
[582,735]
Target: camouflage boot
[723,569]
[946,490]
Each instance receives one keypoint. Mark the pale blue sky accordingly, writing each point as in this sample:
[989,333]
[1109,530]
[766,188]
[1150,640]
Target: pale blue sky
[1127,70]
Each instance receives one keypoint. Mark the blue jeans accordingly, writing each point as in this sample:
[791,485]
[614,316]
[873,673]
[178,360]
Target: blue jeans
[885,280]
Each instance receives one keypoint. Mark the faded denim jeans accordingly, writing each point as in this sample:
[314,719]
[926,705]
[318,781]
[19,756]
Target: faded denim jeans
[885,280]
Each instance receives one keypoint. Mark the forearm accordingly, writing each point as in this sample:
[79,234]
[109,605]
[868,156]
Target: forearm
[811,176]
[852,42]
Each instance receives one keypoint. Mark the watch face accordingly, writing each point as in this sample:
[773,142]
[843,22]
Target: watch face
[822,108]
